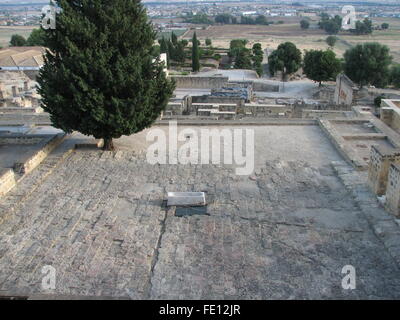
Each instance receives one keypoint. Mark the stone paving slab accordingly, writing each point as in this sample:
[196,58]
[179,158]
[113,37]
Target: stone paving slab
[100,220]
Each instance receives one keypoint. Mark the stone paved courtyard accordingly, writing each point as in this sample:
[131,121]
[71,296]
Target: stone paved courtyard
[99,218]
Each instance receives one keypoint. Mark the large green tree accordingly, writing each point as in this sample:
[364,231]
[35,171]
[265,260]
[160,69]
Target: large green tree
[286,58]
[368,63]
[174,38]
[258,57]
[243,59]
[99,77]
[363,27]
[330,25]
[331,40]
[321,65]
[385,26]
[195,54]
[235,46]
[17,41]
[305,24]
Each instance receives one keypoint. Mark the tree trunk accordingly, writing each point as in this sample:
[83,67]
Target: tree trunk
[108,144]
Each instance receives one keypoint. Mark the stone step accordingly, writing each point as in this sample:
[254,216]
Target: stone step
[27,184]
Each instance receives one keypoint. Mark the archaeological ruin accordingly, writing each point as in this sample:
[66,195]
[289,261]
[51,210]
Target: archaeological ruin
[324,193]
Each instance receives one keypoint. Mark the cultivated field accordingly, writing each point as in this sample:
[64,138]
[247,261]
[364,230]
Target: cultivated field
[271,36]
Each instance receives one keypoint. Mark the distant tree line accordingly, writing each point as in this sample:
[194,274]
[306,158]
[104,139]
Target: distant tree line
[174,49]
[200,18]
[36,38]
[365,64]
[333,25]
[226,18]
[363,27]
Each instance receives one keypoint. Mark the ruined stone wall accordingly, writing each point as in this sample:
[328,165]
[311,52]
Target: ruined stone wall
[7,181]
[390,114]
[190,82]
[379,166]
[174,108]
[344,91]
[393,190]
[217,100]
[259,110]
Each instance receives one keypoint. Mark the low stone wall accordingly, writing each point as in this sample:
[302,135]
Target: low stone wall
[264,110]
[379,166]
[19,110]
[47,146]
[265,87]
[25,118]
[218,100]
[20,140]
[190,82]
[210,121]
[322,114]
[391,118]
[7,181]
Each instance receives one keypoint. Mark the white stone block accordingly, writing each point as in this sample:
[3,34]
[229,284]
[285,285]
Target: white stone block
[186,199]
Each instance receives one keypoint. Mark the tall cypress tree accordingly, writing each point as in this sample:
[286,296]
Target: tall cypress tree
[195,54]
[99,77]
[174,39]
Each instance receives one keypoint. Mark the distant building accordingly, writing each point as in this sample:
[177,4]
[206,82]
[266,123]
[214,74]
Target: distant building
[307,14]
[249,13]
